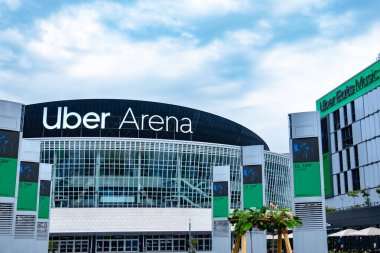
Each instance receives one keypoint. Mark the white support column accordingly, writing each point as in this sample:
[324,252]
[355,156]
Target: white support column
[10,141]
[253,183]
[221,198]
[307,182]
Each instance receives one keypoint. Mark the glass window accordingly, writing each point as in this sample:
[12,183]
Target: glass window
[106,245]
[348,155]
[336,118]
[338,183]
[345,182]
[353,111]
[345,115]
[355,179]
[347,136]
[356,153]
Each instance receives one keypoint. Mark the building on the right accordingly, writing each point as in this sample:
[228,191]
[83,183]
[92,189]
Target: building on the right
[350,125]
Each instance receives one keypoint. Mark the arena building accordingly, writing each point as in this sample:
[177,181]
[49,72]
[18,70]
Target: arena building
[135,176]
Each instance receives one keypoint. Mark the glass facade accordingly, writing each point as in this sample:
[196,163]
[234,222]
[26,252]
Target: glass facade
[137,173]
[126,243]
[147,173]
[277,178]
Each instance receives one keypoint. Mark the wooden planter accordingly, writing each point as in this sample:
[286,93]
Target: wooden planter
[243,242]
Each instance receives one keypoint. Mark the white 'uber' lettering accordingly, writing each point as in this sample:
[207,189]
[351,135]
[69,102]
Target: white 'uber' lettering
[92,120]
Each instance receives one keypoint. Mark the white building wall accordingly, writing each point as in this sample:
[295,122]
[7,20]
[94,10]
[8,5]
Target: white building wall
[366,136]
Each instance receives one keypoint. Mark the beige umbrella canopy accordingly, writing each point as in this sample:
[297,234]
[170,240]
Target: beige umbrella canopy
[371,231]
[346,232]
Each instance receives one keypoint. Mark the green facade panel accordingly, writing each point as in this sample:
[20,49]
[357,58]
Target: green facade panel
[307,179]
[220,201]
[9,143]
[28,186]
[306,167]
[43,207]
[44,199]
[27,196]
[220,207]
[8,175]
[327,174]
[252,186]
[253,196]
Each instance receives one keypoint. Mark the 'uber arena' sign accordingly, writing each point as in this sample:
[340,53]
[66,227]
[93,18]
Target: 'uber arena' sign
[93,120]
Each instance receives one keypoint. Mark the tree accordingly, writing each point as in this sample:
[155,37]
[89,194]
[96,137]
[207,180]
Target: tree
[193,243]
[269,218]
[366,196]
[353,194]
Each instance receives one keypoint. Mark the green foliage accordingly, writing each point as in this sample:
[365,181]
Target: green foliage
[366,196]
[192,245]
[193,241]
[353,193]
[267,218]
[53,245]
[378,190]
[330,209]
[241,221]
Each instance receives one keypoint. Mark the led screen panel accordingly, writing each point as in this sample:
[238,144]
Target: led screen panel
[306,167]
[252,187]
[9,143]
[220,199]
[44,200]
[28,186]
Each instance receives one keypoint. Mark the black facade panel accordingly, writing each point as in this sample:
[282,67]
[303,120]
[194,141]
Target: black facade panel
[355,217]
[205,127]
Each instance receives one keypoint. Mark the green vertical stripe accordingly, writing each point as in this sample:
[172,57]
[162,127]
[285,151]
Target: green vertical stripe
[220,206]
[8,174]
[43,207]
[307,179]
[253,196]
[327,174]
[27,196]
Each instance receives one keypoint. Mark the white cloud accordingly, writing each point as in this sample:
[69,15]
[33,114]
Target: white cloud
[332,24]
[207,7]
[11,4]
[279,7]
[246,37]
[74,54]
[167,13]
[219,89]
[293,76]
[11,36]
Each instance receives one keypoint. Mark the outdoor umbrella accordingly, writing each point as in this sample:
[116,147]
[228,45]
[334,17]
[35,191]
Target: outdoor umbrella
[346,232]
[371,231]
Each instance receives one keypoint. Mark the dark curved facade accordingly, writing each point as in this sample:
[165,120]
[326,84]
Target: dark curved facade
[205,127]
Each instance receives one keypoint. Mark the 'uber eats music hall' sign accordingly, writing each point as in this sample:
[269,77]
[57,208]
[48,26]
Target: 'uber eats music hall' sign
[355,87]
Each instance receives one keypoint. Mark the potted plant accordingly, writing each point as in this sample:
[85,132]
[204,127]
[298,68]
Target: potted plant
[269,218]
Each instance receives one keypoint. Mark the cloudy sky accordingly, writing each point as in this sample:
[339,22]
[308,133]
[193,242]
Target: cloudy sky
[251,61]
